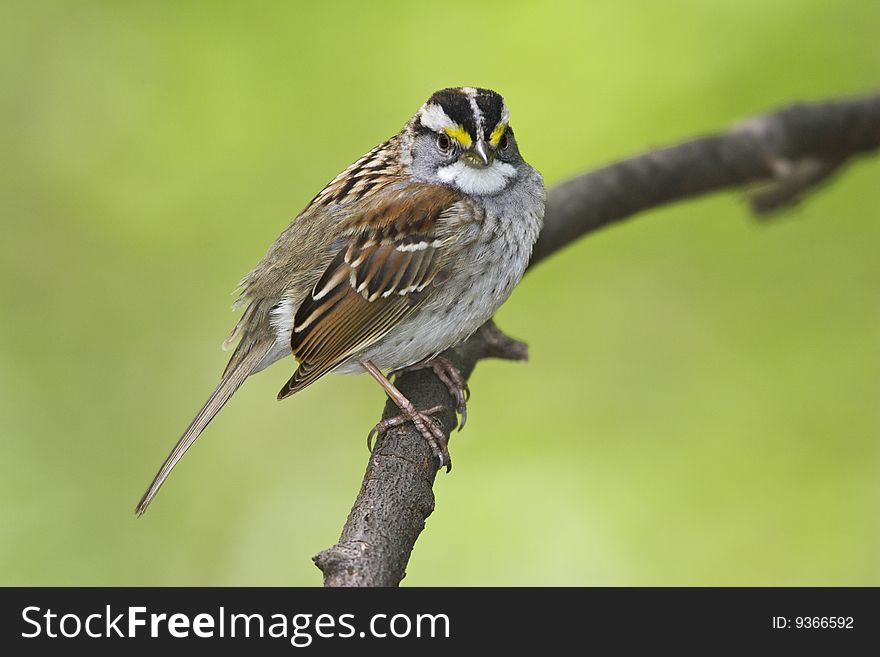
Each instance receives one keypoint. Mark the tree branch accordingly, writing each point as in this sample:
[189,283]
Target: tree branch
[788,154]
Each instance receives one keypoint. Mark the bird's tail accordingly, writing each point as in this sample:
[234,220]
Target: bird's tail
[232,379]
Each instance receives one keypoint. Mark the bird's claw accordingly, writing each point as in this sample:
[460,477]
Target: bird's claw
[452,378]
[426,425]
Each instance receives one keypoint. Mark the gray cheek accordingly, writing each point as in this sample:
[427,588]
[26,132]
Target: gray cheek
[426,160]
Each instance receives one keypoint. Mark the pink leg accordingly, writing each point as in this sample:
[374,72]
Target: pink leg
[422,420]
[451,378]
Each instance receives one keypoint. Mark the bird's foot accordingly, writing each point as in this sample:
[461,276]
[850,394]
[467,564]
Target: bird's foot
[426,425]
[452,378]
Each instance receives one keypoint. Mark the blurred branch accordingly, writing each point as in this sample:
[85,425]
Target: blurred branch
[788,153]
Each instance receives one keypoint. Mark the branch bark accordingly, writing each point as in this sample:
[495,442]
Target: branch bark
[783,156]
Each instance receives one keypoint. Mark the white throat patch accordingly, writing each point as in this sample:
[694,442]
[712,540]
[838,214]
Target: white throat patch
[472,180]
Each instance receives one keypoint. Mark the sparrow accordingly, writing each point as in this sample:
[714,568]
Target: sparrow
[403,255]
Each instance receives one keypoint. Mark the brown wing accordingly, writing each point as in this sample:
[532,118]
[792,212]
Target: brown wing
[380,272]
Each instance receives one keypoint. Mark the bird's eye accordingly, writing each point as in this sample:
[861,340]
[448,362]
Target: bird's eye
[444,143]
[503,143]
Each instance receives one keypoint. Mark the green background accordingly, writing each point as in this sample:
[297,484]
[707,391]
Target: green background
[701,405]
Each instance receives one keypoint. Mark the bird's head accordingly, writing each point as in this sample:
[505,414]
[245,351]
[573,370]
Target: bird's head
[462,137]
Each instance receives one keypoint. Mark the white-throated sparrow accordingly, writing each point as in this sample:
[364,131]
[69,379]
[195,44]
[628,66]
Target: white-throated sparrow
[404,254]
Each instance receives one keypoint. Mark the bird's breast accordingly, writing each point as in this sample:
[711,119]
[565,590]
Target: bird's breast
[480,279]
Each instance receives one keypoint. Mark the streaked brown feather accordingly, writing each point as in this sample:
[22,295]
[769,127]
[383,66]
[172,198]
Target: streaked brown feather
[393,251]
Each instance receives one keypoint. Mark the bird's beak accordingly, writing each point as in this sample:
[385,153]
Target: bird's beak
[482,152]
[479,155]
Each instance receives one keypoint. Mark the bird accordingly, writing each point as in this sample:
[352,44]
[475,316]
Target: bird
[403,255]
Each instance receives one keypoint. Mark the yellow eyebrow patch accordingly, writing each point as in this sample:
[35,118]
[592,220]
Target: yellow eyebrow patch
[497,133]
[459,134]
